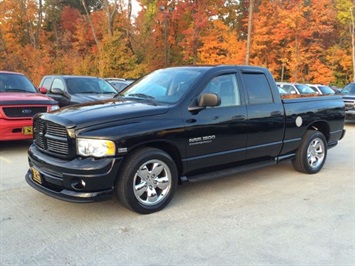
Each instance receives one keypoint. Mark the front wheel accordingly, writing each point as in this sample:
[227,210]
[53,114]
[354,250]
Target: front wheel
[148,181]
[312,153]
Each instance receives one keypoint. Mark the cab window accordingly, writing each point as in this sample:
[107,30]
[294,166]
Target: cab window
[226,87]
[58,84]
[258,88]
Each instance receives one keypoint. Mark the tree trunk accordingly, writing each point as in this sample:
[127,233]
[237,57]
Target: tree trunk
[250,20]
[352,32]
[101,67]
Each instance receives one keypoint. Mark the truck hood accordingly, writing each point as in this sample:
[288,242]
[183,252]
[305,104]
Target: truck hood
[85,97]
[349,97]
[11,98]
[101,112]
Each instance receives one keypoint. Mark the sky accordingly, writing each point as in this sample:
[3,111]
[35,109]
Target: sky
[135,7]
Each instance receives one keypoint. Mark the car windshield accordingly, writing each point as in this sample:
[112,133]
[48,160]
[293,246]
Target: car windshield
[164,85]
[349,89]
[326,89]
[304,89]
[119,85]
[89,85]
[15,83]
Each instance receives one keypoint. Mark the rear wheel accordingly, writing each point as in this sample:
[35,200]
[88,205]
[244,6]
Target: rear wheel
[148,181]
[312,153]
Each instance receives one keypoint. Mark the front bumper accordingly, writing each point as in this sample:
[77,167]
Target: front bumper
[350,114]
[14,129]
[78,180]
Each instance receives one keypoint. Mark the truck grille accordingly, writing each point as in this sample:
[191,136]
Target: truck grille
[24,111]
[349,105]
[51,137]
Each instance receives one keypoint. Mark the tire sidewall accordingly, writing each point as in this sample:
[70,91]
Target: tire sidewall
[313,135]
[124,184]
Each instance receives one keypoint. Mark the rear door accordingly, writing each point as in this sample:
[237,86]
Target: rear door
[265,114]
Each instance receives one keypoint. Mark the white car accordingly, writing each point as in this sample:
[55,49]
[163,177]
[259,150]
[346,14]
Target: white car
[295,88]
[321,89]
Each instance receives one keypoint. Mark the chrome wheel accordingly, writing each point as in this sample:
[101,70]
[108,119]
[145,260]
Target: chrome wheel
[152,182]
[312,152]
[315,153]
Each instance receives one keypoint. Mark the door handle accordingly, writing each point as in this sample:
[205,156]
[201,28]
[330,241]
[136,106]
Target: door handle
[275,113]
[239,118]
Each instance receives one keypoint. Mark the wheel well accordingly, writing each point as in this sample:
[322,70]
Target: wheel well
[168,148]
[322,127]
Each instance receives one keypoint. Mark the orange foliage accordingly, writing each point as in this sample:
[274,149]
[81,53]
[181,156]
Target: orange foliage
[297,40]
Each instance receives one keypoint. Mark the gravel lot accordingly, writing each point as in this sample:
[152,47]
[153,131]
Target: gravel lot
[272,216]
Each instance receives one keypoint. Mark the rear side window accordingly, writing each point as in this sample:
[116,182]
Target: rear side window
[58,84]
[47,83]
[258,88]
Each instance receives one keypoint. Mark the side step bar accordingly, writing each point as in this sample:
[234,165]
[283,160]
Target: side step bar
[228,171]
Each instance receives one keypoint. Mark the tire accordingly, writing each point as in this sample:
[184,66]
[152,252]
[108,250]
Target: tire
[147,181]
[312,153]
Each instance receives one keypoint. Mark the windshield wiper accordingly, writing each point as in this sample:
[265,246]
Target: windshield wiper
[18,90]
[142,95]
[86,92]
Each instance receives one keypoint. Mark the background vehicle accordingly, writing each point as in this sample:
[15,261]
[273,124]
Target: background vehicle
[118,83]
[281,90]
[348,93]
[68,90]
[321,89]
[19,102]
[183,123]
[295,88]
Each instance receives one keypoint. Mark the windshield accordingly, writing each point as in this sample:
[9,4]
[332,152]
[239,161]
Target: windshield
[164,85]
[89,85]
[304,89]
[15,83]
[326,89]
[349,89]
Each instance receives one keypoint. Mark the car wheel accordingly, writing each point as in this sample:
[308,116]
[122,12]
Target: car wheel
[148,181]
[312,153]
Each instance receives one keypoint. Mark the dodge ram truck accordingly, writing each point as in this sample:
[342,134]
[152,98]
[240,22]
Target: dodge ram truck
[178,124]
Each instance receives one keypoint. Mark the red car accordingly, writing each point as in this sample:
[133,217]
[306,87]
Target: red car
[19,102]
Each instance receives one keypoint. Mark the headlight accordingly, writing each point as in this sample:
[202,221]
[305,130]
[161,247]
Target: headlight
[53,107]
[95,147]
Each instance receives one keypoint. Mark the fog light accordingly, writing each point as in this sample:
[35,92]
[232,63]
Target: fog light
[78,184]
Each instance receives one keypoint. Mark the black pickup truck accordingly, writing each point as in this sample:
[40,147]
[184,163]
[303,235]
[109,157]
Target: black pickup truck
[178,124]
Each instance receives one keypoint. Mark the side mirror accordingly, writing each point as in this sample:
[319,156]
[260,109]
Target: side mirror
[42,90]
[59,92]
[209,99]
[206,100]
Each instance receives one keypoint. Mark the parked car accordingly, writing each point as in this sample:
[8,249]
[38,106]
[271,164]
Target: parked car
[183,123]
[70,89]
[19,102]
[348,94]
[321,89]
[281,90]
[336,89]
[295,88]
[119,83]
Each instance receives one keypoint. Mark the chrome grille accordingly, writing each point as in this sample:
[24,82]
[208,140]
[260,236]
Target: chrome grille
[51,137]
[349,104]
